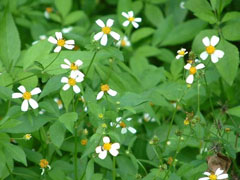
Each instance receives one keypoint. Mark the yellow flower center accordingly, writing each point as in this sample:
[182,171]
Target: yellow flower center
[190,61]
[59,102]
[71,81]
[84,142]
[186,122]
[131,19]
[107,146]
[123,43]
[193,70]
[106,30]
[73,66]
[100,115]
[49,9]
[122,124]
[105,88]
[181,53]
[213,177]
[61,42]
[210,49]
[27,95]
[43,163]
[27,136]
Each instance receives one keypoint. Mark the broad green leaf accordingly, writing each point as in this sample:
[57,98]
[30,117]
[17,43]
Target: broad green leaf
[64,6]
[153,14]
[5,93]
[147,51]
[231,30]
[67,97]
[16,153]
[235,111]
[74,17]
[9,38]
[68,120]
[230,16]
[28,79]
[141,34]
[57,132]
[90,169]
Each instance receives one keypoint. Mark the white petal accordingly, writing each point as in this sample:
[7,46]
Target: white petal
[79,78]
[125,23]
[200,66]
[46,14]
[100,23]
[78,62]
[98,149]
[24,106]
[204,55]
[58,35]
[69,46]
[57,49]
[117,126]
[206,41]
[113,152]
[138,19]
[124,130]
[35,91]
[205,178]
[218,172]
[102,154]
[187,66]
[115,35]
[125,15]
[52,40]
[222,176]
[214,40]
[104,40]
[106,139]
[112,92]
[67,61]
[219,53]
[214,58]
[64,66]
[64,80]
[135,24]
[66,87]
[132,130]
[110,22]
[129,119]
[189,79]
[33,103]
[100,95]
[115,146]
[76,89]
[118,119]
[70,42]
[179,56]
[207,173]
[22,89]
[130,13]
[16,95]
[98,36]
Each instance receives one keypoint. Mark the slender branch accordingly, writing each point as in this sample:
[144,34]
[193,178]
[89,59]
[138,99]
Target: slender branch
[114,169]
[91,62]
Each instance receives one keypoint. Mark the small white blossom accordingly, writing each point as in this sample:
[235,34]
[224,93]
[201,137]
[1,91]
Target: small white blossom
[67,30]
[47,12]
[105,88]
[124,42]
[181,53]
[131,19]
[121,123]
[59,103]
[215,176]
[192,70]
[72,81]
[146,118]
[74,67]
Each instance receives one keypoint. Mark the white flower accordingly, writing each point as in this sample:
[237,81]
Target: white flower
[123,125]
[182,5]
[44,164]
[41,37]
[27,96]
[59,103]
[60,42]
[105,31]
[146,118]
[105,88]
[107,146]
[181,53]
[211,50]
[27,137]
[67,30]
[192,70]
[124,42]
[47,12]
[73,67]
[215,176]
[131,19]
[72,81]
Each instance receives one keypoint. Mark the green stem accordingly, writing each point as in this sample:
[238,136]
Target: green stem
[75,154]
[198,97]
[91,63]
[114,169]
[51,62]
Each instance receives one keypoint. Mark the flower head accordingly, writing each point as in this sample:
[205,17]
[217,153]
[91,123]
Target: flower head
[214,176]
[122,123]
[124,42]
[67,29]
[74,67]
[47,12]
[44,164]
[192,70]
[131,19]
[105,88]
[146,118]
[60,42]
[181,53]
[106,29]
[27,136]
[211,50]
[72,81]
[59,103]
[27,97]
[107,146]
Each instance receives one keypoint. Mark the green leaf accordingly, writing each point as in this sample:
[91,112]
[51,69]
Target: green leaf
[147,51]
[153,14]
[9,38]
[74,17]
[230,16]
[235,111]
[67,97]
[90,169]
[231,31]
[57,132]
[64,6]
[141,34]
[5,93]
[16,153]
[68,120]
[30,81]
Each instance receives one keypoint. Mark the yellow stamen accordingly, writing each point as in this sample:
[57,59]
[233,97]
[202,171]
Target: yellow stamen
[107,146]
[106,30]
[131,19]
[59,102]
[71,82]
[27,136]
[43,163]
[61,42]
[182,53]
[105,87]
[193,70]
[84,142]
[122,124]
[27,95]
[49,9]
[100,115]
[73,66]
[186,122]
[210,49]
[123,43]
[213,177]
